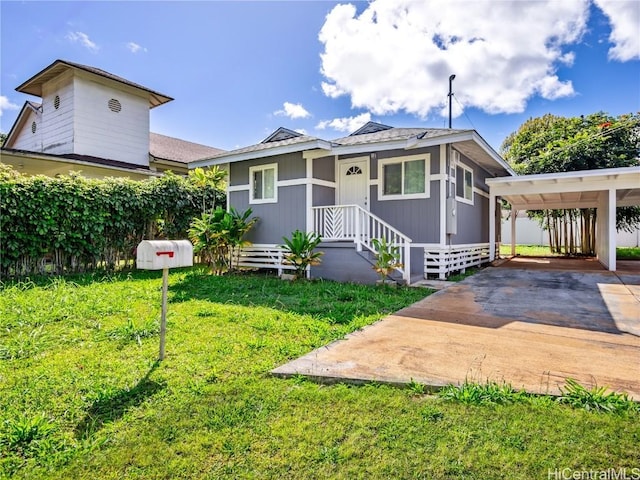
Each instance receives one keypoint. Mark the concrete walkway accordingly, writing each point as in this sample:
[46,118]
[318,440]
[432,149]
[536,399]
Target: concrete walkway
[532,327]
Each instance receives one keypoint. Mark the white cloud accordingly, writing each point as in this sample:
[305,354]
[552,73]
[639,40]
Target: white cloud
[83,39]
[397,55]
[345,124]
[292,110]
[624,17]
[5,104]
[135,48]
[301,130]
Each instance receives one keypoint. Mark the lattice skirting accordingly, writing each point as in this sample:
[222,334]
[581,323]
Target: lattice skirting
[442,261]
[262,256]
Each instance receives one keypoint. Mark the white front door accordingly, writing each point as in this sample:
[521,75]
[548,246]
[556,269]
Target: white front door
[354,184]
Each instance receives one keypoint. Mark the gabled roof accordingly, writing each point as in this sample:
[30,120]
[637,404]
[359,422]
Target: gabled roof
[291,142]
[33,86]
[163,147]
[371,127]
[21,118]
[391,134]
[372,137]
[281,134]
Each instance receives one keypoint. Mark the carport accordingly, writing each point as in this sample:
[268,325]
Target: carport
[603,189]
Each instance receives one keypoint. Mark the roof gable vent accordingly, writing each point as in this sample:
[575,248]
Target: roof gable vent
[281,134]
[371,127]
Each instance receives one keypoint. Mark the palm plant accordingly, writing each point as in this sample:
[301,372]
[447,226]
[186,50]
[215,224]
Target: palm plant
[218,236]
[299,251]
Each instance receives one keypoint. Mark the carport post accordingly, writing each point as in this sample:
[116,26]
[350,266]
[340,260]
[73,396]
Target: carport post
[514,216]
[163,318]
[492,226]
[611,229]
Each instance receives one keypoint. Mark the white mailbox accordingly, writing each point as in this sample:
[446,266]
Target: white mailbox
[161,254]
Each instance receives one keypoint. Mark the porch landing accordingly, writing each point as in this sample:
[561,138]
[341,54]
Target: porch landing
[532,328]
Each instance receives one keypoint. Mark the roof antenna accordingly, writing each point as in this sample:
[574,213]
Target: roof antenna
[451,77]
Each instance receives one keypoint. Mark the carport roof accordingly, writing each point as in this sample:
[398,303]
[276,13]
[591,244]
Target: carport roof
[581,189]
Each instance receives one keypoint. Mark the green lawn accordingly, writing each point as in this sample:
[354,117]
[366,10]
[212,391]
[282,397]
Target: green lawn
[82,397]
[628,253]
[622,253]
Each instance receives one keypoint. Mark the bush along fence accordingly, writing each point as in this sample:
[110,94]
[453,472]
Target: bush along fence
[71,224]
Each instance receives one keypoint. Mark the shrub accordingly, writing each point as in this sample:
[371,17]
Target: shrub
[70,223]
[299,251]
[218,236]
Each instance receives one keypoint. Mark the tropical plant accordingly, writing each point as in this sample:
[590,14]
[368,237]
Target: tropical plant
[218,236]
[213,178]
[387,257]
[299,251]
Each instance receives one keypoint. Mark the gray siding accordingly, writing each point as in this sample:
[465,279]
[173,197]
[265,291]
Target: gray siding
[290,166]
[417,261]
[276,219]
[342,263]
[418,219]
[434,151]
[323,196]
[473,220]
[324,169]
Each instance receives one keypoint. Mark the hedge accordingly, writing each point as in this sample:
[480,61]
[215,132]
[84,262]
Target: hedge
[70,224]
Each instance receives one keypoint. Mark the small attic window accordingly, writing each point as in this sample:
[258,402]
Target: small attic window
[114,105]
[56,102]
[33,127]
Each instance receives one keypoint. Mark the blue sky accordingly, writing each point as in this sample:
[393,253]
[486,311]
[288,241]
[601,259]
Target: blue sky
[239,70]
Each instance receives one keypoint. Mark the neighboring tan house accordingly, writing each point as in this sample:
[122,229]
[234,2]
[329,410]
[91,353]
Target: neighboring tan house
[422,189]
[94,122]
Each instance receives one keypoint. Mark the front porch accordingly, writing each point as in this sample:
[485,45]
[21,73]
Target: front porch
[348,233]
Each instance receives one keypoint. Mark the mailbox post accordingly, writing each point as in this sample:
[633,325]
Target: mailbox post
[163,255]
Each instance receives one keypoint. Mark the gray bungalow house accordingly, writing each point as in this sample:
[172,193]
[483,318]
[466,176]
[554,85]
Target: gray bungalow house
[422,189]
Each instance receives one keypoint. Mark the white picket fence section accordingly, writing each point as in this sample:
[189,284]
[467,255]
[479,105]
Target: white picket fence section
[455,258]
[354,223]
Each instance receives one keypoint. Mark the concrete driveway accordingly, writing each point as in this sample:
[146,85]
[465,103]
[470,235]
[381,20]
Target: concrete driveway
[526,324]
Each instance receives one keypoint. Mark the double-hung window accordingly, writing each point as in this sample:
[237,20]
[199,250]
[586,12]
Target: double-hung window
[464,183]
[263,188]
[403,177]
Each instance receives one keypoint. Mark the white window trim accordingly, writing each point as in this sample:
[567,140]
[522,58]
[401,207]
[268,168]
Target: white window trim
[468,201]
[427,172]
[257,168]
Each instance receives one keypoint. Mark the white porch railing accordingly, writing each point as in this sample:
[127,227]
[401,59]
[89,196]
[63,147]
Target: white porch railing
[444,260]
[354,223]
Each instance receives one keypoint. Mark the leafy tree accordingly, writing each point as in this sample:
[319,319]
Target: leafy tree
[212,178]
[3,138]
[557,144]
